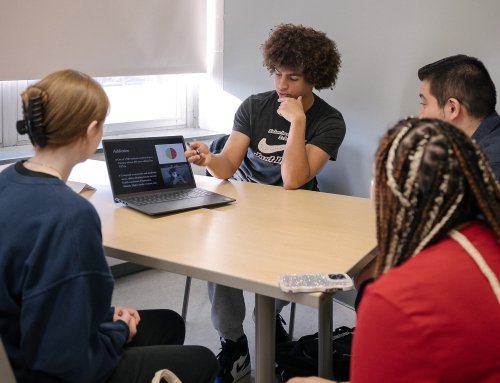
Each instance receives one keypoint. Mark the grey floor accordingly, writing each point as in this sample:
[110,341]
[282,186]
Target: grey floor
[160,289]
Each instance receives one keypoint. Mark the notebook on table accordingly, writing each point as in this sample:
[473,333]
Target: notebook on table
[152,175]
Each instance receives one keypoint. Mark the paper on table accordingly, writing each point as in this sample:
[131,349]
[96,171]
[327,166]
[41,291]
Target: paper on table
[79,187]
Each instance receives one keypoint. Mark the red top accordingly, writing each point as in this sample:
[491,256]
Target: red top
[433,319]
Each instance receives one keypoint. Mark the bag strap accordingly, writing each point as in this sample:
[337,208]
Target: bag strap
[167,375]
[478,258]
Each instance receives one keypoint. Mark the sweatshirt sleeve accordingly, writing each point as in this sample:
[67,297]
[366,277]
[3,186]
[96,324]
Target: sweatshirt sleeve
[66,329]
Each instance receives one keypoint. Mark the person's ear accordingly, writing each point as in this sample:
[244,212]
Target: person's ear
[454,108]
[94,130]
[94,133]
[92,127]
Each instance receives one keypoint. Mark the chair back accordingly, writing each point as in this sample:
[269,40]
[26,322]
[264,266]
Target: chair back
[216,147]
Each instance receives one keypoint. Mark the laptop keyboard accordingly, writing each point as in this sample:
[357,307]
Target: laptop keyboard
[168,196]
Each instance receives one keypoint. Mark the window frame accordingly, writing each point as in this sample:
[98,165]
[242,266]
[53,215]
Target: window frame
[11,111]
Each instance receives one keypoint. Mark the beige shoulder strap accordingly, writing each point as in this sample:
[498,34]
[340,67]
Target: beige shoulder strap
[478,258]
[165,376]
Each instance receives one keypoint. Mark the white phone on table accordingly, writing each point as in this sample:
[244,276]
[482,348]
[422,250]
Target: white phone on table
[318,282]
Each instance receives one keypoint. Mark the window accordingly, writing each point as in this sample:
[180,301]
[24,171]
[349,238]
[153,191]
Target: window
[151,102]
[138,103]
[11,111]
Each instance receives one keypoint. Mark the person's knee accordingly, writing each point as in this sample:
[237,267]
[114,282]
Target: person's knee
[206,359]
[178,323]
[176,320]
[167,322]
[207,355]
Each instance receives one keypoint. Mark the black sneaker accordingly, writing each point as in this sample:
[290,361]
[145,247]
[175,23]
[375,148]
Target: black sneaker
[281,334]
[234,360]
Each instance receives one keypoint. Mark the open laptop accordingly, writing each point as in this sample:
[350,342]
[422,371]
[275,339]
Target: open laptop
[153,176]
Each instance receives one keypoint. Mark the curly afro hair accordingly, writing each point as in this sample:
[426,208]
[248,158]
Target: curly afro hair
[296,46]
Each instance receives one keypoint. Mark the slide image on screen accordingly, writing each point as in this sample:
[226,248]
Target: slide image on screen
[176,174]
[170,153]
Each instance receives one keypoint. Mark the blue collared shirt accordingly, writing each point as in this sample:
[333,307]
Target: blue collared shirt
[488,137]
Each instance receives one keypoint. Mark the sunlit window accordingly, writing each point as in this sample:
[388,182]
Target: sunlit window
[143,102]
[137,103]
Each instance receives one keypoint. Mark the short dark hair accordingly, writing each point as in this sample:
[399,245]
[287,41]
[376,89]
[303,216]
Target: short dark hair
[296,46]
[464,78]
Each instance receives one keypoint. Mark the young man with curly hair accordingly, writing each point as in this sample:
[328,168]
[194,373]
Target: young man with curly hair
[283,137]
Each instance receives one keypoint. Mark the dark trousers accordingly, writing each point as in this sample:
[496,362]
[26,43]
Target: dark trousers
[158,345]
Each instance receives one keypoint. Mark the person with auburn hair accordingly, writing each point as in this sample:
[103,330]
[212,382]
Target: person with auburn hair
[283,137]
[56,322]
[433,312]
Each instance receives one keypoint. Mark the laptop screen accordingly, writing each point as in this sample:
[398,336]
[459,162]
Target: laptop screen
[147,164]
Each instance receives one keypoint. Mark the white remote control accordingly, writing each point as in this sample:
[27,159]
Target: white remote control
[308,283]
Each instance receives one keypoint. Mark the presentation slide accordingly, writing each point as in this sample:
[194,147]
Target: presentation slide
[136,166]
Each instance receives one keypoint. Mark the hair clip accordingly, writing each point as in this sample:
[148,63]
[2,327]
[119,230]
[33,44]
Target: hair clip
[33,123]
[22,127]
[36,121]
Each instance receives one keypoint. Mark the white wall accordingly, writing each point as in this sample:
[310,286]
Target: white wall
[382,42]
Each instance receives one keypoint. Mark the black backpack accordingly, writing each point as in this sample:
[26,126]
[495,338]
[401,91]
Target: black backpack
[300,357]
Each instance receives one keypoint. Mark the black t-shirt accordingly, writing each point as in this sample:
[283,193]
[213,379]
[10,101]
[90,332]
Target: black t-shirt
[257,118]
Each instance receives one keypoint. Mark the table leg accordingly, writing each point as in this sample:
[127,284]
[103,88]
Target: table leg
[265,329]
[325,330]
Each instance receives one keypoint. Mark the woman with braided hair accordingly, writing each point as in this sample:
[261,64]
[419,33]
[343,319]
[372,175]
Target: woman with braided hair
[433,312]
[56,319]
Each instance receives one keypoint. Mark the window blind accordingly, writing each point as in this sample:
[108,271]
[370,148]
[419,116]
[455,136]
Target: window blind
[102,37]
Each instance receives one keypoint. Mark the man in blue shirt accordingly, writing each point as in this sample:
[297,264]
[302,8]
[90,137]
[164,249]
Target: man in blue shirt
[459,89]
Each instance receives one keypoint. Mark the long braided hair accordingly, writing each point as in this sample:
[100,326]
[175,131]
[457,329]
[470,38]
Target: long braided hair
[429,178]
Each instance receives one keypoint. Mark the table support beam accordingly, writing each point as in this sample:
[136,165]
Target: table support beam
[265,331]
[325,330]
